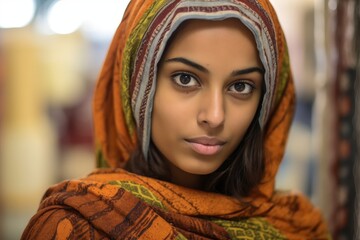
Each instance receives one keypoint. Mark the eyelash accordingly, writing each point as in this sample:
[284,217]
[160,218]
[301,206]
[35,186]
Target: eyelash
[248,84]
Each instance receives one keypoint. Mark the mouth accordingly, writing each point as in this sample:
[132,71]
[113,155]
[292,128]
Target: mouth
[206,145]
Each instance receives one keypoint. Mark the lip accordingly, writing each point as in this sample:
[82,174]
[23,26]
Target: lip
[206,145]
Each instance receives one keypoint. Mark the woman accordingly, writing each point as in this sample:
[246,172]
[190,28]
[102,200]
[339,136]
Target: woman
[195,100]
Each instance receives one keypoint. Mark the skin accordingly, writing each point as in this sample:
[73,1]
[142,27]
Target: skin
[208,90]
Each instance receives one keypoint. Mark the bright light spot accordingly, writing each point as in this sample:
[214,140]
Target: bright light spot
[66,16]
[16,13]
[98,18]
[332,4]
[103,17]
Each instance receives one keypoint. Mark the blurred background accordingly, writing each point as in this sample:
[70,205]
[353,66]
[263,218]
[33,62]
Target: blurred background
[51,52]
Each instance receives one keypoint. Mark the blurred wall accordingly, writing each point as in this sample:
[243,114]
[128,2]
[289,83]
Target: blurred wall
[27,149]
[46,132]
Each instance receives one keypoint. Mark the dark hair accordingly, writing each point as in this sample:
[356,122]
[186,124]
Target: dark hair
[237,176]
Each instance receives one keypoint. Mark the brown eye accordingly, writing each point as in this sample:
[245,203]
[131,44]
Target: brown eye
[241,88]
[185,80]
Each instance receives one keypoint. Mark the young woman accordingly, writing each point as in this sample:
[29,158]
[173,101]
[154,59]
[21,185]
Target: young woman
[191,111]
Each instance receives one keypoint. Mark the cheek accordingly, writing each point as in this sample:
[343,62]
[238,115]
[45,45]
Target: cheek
[170,117]
[166,113]
[239,121]
[171,108]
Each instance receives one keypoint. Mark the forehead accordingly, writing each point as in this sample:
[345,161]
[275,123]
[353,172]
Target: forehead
[225,44]
[196,24]
[229,31]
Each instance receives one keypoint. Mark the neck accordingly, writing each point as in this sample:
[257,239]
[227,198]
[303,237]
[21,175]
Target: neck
[186,179]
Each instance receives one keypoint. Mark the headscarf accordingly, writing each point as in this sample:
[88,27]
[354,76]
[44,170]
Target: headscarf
[116,204]
[126,86]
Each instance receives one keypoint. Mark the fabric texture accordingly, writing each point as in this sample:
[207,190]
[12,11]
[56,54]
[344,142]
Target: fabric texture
[115,204]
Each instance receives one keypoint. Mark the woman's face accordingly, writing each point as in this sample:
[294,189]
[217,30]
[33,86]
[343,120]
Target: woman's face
[208,90]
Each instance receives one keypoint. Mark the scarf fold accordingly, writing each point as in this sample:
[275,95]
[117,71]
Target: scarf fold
[115,204]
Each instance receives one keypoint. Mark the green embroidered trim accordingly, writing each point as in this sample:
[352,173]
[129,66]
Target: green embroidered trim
[144,194]
[130,49]
[252,228]
[284,75]
[180,237]
[100,159]
[140,192]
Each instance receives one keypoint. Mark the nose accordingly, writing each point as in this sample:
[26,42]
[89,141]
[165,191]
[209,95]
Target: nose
[212,110]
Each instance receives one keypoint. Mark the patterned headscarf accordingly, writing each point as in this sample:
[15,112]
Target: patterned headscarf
[125,91]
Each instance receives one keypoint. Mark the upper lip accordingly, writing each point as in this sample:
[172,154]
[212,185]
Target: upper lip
[210,141]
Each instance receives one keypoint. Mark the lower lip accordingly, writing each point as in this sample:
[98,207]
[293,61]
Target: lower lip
[205,149]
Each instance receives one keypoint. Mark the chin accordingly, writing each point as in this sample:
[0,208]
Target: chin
[199,171]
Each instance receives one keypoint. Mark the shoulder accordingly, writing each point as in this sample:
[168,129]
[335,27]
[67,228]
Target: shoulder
[87,208]
[66,209]
[294,212]
[59,222]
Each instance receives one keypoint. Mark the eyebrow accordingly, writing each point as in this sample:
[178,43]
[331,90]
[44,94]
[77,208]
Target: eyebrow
[203,69]
[189,63]
[247,70]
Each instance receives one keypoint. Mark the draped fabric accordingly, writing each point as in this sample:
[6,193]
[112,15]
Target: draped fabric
[115,204]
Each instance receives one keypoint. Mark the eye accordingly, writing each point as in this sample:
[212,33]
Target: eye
[185,80]
[242,87]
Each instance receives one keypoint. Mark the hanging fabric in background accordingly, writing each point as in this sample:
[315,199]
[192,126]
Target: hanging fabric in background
[343,166]
[337,119]
[357,117]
